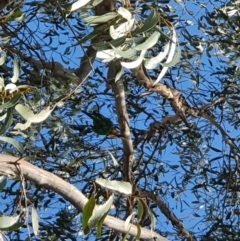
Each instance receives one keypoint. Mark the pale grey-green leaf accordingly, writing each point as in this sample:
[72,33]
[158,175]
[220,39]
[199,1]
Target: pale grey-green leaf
[3,182]
[149,43]
[174,60]
[13,142]
[129,54]
[77,5]
[7,222]
[135,63]
[28,114]
[99,212]
[100,19]
[115,162]
[16,69]
[119,186]
[125,13]
[35,224]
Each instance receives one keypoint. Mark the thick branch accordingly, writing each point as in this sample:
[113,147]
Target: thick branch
[123,120]
[11,168]
[168,214]
[182,108]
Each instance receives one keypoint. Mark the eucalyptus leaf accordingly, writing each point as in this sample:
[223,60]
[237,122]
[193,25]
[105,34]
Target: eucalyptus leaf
[125,13]
[119,186]
[138,232]
[129,54]
[174,60]
[92,20]
[148,24]
[107,45]
[115,162]
[3,182]
[153,219]
[121,30]
[13,142]
[16,70]
[135,63]
[78,4]
[22,127]
[28,114]
[149,43]
[127,222]
[7,223]
[169,58]
[153,62]
[17,96]
[140,209]
[87,213]
[35,224]
[8,121]
[2,59]
[95,32]
[100,212]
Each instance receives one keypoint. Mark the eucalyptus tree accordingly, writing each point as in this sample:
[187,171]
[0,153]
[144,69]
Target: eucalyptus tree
[119,120]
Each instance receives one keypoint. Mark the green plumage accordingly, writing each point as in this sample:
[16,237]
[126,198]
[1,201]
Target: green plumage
[101,124]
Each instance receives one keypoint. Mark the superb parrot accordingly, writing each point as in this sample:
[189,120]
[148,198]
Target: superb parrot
[101,124]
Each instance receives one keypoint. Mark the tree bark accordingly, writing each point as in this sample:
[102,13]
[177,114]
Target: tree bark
[12,167]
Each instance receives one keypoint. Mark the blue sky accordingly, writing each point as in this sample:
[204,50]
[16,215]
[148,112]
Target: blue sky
[167,157]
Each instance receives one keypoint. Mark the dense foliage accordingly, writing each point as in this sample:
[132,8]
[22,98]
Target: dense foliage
[80,115]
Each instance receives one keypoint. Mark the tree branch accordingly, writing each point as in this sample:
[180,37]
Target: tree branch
[8,168]
[183,109]
[168,214]
[123,120]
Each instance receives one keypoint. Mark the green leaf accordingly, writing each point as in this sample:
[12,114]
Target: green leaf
[127,222]
[153,219]
[170,56]
[92,20]
[115,162]
[28,114]
[153,62]
[96,2]
[125,236]
[34,92]
[13,142]
[140,209]
[121,30]
[174,60]
[99,212]
[95,32]
[17,15]
[99,226]
[148,24]
[119,186]
[5,40]
[2,59]
[12,101]
[87,213]
[135,63]
[138,232]
[107,55]
[22,127]
[77,5]
[119,73]
[9,223]
[149,43]
[3,182]
[129,54]
[107,45]
[14,79]
[35,221]
[8,121]
[125,13]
